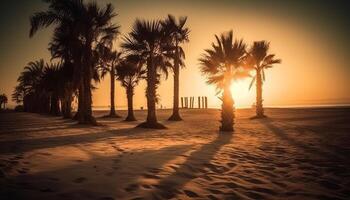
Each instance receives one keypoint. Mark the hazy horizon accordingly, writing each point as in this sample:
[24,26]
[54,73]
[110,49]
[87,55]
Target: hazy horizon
[309,37]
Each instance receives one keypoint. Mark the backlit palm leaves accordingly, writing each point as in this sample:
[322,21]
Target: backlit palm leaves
[258,59]
[222,64]
[177,34]
[147,41]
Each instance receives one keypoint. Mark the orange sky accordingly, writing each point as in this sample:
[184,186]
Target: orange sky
[313,69]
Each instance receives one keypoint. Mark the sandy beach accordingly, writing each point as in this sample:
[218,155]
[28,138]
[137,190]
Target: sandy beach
[293,154]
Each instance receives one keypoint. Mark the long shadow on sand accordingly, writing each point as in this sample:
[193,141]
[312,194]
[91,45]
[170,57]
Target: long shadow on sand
[307,148]
[25,145]
[106,171]
[170,186]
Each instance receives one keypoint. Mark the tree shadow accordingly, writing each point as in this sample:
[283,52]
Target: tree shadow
[168,187]
[69,182]
[26,145]
[291,140]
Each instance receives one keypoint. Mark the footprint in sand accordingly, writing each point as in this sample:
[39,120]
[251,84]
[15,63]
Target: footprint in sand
[151,176]
[190,193]
[80,180]
[54,179]
[109,174]
[45,154]
[131,187]
[46,190]
[147,187]
[106,198]
[23,170]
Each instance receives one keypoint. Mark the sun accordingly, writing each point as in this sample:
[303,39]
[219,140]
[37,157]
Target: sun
[243,97]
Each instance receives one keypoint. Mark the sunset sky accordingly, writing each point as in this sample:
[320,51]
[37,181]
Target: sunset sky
[311,38]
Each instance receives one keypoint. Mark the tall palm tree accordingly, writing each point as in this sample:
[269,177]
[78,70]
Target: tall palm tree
[108,60]
[222,64]
[177,34]
[259,60]
[66,47]
[147,40]
[92,25]
[129,73]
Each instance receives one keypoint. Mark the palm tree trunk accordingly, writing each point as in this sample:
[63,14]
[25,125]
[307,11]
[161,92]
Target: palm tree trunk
[151,95]
[67,104]
[151,121]
[79,115]
[259,101]
[55,107]
[227,111]
[176,115]
[85,115]
[112,73]
[129,95]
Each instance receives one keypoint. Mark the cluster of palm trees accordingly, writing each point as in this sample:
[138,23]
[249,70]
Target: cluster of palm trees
[3,101]
[229,59]
[83,51]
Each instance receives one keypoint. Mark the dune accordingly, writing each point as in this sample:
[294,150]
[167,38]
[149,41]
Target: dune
[293,154]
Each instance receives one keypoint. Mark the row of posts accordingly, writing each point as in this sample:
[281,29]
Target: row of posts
[188,102]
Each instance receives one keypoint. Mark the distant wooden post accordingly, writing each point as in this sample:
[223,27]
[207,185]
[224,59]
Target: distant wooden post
[192,102]
[182,102]
[203,102]
[186,102]
[199,102]
[206,102]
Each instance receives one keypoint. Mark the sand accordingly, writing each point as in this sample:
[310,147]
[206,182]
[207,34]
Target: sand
[293,154]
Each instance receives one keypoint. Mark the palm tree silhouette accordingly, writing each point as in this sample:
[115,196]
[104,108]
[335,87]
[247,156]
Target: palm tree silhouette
[108,60]
[177,34]
[258,59]
[50,84]
[129,73]
[3,100]
[147,41]
[92,25]
[222,64]
[29,82]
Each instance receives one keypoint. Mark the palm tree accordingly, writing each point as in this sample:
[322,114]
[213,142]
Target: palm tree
[178,34]
[51,84]
[34,99]
[259,60]
[3,100]
[108,60]
[18,94]
[222,64]
[129,73]
[91,25]
[66,47]
[147,41]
